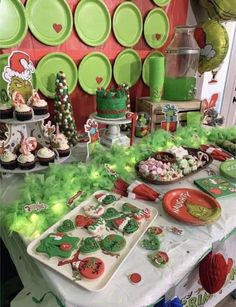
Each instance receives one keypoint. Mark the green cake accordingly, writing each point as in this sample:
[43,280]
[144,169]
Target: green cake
[111,103]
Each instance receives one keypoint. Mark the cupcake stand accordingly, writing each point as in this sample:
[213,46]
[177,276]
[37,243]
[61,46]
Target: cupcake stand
[15,130]
[113,134]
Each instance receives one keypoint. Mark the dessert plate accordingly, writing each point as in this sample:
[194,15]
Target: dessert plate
[3,63]
[50,22]
[94,71]
[161,2]
[127,68]
[49,66]
[92,22]
[228,169]
[156,28]
[112,262]
[145,72]
[191,206]
[127,24]
[13,23]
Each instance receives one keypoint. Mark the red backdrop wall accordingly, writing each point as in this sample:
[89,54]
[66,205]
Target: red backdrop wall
[84,104]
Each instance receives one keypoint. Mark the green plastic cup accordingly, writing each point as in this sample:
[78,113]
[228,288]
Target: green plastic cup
[156,77]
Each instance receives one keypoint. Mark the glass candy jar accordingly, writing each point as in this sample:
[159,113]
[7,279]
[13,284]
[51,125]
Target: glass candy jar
[182,56]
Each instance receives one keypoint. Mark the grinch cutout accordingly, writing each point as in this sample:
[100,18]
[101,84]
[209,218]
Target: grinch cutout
[171,118]
[18,74]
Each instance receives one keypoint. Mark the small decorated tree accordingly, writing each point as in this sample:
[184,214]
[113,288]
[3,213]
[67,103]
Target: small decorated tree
[63,110]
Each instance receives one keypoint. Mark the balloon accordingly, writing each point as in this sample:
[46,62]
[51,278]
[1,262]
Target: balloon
[221,10]
[213,40]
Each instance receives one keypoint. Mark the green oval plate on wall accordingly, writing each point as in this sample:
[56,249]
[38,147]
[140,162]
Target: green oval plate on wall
[49,66]
[161,2]
[94,71]
[127,24]
[92,22]
[156,28]
[50,22]
[128,67]
[13,24]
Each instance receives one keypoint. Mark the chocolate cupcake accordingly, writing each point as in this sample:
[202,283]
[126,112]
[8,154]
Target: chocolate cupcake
[39,105]
[26,161]
[23,112]
[45,156]
[60,143]
[8,160]
[6,111]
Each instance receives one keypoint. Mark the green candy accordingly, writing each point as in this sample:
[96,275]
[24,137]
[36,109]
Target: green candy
[89,245]
[55,245]
[111,213]
[67,225]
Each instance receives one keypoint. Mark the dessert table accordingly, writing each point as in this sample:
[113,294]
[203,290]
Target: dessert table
[184,253]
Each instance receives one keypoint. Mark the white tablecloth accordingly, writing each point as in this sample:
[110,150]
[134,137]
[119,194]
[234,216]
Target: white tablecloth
[184,253]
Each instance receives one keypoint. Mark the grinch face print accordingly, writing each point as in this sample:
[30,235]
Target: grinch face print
[18,74]
[24,87]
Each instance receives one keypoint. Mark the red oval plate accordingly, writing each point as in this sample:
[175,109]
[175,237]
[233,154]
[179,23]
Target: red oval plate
[191,206]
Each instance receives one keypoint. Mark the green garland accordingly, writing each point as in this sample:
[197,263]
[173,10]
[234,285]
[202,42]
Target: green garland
[60,182]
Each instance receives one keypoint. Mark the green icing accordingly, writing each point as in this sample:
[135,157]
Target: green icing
[108,199]
[202,213]
[113,243]
[128,208]
[131,226]
[89,245]
[152,243]
[51,245]
[67,225]
[111,213]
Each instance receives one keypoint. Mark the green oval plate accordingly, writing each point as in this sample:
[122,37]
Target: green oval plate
[127,24]
[228,169]
[161,2]
[94,71]
[49,66]
[13,24]
[50,22]
[3,83]
[92,22]
[128,67]
[156,28]
[145,72]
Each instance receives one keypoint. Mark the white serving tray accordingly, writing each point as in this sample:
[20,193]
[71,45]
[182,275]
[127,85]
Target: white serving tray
[112,263]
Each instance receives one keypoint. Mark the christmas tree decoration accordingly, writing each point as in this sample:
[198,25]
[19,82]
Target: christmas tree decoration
[63,109]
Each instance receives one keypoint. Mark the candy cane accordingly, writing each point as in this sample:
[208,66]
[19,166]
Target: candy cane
[17,99]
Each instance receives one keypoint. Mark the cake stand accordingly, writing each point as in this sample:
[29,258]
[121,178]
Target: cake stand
[113,134]
[12,131]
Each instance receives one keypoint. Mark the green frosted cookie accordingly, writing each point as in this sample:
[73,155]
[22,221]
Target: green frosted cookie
[159,259]
[129,208]
[67,225]
[131,226]
[111,213]
[125,224]
[89,245]
[58,245]
[152,243]
[113,243]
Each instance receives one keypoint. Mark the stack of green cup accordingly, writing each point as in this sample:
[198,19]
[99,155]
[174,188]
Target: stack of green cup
[156,77]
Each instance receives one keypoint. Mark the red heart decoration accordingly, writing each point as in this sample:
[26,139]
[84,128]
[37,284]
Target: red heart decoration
[99,80]
[158,36]
[57,27]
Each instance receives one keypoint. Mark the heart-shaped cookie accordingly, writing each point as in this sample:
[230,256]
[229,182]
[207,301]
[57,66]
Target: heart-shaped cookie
[67,225]
[89,245]
[82,221]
